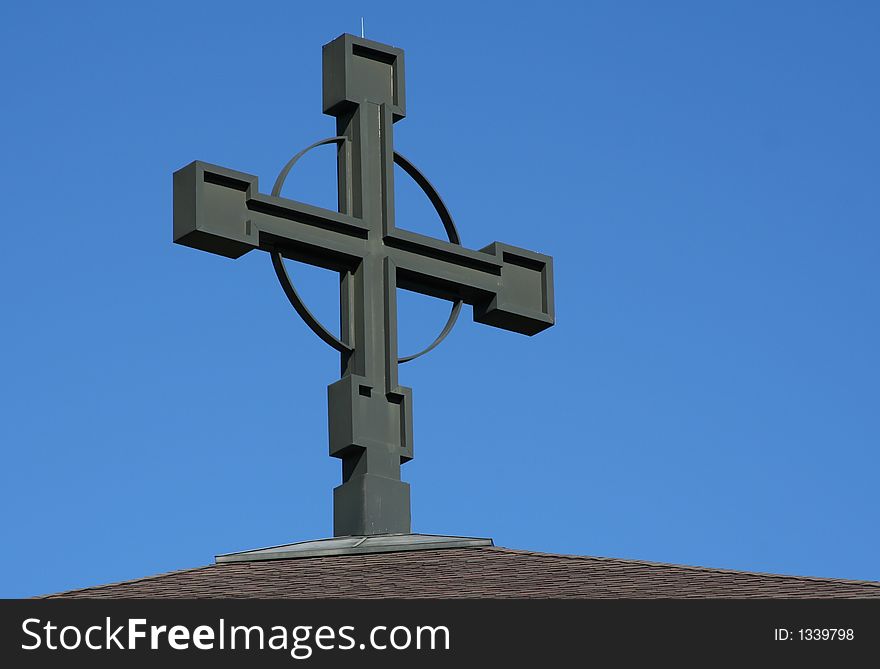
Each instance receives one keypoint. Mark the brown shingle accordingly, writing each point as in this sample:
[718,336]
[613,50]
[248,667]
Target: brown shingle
[484,572]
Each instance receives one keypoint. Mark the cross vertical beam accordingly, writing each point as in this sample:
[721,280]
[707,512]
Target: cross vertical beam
[370,414]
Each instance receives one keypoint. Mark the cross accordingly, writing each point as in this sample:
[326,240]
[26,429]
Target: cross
[370,414]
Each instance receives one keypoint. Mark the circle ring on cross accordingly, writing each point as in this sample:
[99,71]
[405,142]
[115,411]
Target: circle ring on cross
[293,296]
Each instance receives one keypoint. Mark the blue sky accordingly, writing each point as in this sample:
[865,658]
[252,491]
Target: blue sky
[705,176]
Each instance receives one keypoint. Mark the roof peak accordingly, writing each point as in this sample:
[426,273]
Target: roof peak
[355,545]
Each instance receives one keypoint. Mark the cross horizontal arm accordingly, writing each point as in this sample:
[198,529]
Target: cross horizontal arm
[434,267]
[509,287]
[222,211]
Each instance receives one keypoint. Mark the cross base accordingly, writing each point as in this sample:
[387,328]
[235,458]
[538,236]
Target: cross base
[370,504]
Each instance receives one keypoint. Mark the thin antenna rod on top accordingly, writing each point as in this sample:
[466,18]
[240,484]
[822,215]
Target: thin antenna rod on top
[362,26]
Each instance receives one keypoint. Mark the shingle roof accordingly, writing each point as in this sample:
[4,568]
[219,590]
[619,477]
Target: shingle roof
[481,572]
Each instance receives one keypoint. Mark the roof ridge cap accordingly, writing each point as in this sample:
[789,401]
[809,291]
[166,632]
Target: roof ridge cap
[124,581]
[649,563]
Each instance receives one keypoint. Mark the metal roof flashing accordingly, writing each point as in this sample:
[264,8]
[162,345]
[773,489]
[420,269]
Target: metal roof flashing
[354,545]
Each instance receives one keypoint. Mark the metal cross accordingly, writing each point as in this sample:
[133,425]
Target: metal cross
[222,211]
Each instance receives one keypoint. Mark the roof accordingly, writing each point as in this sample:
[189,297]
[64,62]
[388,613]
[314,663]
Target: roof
[472,572]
